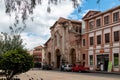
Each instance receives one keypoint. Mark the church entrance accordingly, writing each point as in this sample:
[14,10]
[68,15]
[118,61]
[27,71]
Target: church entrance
[58,58]
[49,58]
[72,56]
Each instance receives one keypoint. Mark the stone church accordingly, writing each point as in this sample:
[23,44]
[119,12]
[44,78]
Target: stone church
[64,45]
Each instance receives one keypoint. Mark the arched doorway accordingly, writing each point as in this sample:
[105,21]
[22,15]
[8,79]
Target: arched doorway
[58,58]
[49,58]
[72,56]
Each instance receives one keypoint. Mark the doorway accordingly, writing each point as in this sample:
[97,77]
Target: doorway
[49,58]
[58,58]
[102,62]
[58,61]
[73,56]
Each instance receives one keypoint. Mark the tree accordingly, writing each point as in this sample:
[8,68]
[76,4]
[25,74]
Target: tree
[13,58]
[26,7]
[15,62]
[11,41]
[22,10]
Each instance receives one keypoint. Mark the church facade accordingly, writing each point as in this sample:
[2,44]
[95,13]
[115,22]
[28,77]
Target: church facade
[64,44]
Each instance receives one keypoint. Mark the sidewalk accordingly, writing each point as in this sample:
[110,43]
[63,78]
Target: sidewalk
[99,72]
[105,72]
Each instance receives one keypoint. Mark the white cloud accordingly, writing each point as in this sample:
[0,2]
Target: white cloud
[32,40]
[41,24]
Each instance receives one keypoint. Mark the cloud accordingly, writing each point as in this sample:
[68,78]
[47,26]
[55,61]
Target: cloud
[38,32]
[32,40]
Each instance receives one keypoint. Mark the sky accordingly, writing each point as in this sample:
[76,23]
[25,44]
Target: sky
[37,32]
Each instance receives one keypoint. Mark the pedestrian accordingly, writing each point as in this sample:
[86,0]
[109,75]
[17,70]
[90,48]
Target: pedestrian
[102,66]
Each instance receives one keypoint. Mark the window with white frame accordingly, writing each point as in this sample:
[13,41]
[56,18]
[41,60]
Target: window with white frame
[115,16]
[98,22]
[116,36]
[116,59]
[107,37]
[106,20]
[91,41]
[91,25]
[91,60]
[99,39]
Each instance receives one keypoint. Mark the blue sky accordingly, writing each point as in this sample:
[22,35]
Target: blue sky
[92,5]
[38,32]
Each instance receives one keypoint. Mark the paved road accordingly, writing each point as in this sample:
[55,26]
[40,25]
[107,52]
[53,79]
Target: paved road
[57,75]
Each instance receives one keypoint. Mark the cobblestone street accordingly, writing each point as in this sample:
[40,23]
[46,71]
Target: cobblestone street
[57,75]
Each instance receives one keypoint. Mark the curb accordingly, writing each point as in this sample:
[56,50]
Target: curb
[102,72]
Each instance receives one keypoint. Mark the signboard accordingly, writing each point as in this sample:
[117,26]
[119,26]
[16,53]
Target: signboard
[109,66]
[102,51]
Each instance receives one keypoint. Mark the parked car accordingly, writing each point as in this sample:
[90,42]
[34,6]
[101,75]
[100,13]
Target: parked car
[67,67]
[47,67]
[75,68]
[80,68]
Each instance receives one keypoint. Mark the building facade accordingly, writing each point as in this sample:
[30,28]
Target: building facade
[63,45]
[98,47]
[102,39]
[30,52]
[37,56]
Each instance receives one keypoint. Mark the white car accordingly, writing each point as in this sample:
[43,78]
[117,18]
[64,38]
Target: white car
[67,67]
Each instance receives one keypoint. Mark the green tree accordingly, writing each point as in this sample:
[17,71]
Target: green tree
[15,62]
[11,41]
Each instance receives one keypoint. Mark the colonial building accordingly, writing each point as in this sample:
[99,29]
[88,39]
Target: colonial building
[30,52]
[64,44]
[97,47]
[37,56]
[102,39]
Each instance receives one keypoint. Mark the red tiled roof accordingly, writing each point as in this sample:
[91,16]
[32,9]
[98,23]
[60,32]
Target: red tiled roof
[38,47]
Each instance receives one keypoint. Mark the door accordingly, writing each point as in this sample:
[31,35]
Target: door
[73,56]
[102,61]
[58,61]
[106,60]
